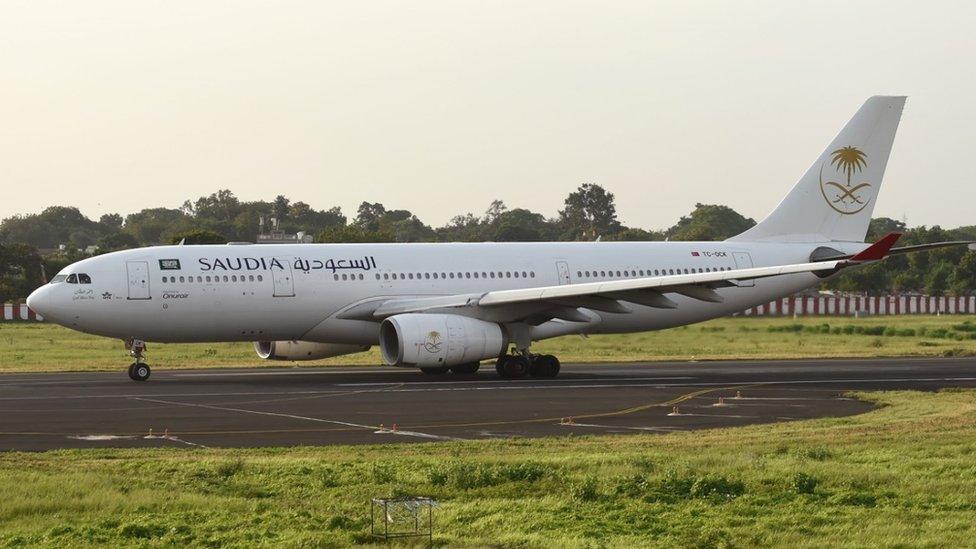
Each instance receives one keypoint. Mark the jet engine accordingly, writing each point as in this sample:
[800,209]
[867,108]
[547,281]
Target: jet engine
[303,350]
[432,340]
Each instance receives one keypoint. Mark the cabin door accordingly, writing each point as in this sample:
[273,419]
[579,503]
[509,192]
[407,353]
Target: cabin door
[562,271]
[284,283]
[138,273]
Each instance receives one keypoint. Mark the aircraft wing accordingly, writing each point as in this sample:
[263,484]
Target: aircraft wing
[539,304]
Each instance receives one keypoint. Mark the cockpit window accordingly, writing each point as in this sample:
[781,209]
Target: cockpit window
[58,278]
[84,278]
[72,279]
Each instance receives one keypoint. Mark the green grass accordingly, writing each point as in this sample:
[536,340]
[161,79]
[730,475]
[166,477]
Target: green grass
[901,475]
[45,347]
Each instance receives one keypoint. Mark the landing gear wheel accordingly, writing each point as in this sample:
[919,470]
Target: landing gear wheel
[464,369]
[512,366]
[544,366]
[139,371]
[436,370]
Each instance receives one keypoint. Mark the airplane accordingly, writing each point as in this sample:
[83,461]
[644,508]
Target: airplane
[445,307]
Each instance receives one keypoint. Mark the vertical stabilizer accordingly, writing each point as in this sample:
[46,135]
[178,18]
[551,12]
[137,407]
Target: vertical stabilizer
[835,198]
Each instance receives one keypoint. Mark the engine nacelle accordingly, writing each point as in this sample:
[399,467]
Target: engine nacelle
[430,340]
[304,350]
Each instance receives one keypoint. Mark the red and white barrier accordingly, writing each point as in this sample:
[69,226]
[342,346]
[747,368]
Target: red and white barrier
[866,305]
[19,312]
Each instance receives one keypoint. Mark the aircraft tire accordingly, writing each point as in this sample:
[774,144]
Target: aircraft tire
[436,370]
[139,371]
[512,367]
[466,369]
[545,366]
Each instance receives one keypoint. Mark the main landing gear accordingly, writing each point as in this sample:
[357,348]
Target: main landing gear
[138,370]
[526,364]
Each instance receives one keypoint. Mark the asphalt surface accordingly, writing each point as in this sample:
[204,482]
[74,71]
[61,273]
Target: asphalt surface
[305,406]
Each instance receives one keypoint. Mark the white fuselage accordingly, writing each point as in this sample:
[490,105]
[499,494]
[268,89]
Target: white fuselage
[299,292]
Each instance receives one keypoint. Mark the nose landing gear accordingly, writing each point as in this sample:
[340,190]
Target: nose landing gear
[138,370]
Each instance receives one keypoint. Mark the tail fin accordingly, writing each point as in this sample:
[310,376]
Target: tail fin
[835,198]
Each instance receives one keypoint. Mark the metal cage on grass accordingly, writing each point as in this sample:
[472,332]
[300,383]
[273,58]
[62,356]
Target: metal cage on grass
[403,517]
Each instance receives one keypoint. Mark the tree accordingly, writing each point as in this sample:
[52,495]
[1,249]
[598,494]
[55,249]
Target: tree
[881,226]
[280,207]
[494,211]
[117,241]
[198,236]
[521,225]
[149,225]
[709,222]
[638,235]
[937,281]
[111,221]
[20,271]
[368,215]
[589,212]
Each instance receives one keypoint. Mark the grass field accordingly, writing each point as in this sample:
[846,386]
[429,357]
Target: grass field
[45,347]
[902,475]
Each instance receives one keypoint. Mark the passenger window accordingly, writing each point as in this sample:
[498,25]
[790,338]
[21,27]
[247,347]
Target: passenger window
[260,278]
[508,274]
[476,274]
[181,279]
[467,275]
[531,274]
[516,274]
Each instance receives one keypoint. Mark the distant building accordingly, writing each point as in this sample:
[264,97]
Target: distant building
[269,233]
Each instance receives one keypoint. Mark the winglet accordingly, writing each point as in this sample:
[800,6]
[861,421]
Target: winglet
[879,249]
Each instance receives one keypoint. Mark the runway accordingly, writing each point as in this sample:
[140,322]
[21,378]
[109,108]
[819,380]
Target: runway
[320,406]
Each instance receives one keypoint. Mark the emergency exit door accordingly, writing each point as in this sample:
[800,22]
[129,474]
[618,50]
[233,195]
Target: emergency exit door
[743,261]
[284,283]
[138,273]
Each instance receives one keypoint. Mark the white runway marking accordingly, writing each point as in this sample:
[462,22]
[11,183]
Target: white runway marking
[654,429]
[291,373]
[511,381]
[290,416]
[575,384]
[100,438]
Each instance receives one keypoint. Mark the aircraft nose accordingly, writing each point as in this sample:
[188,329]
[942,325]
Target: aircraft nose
[39,300]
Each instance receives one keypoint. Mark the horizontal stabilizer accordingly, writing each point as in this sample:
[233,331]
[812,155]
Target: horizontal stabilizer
[879,249]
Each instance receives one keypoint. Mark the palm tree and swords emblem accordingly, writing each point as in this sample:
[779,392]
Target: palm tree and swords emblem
[845,200]
[432,343]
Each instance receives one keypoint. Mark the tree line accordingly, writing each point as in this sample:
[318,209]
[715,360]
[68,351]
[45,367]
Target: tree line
[31,245]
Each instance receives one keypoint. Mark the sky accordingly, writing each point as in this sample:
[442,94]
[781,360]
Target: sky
[440,107]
